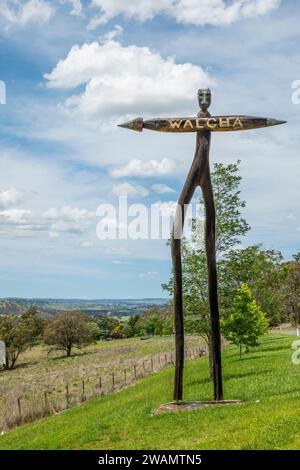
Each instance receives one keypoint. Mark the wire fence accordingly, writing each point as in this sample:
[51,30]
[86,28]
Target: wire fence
[36,404]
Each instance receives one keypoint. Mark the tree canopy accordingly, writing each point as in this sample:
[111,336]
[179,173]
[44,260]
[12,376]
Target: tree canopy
[70,330]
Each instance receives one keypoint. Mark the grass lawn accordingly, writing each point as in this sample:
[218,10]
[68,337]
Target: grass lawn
[36,371]
[269,419]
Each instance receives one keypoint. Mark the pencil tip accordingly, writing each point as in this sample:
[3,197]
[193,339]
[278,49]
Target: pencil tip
[275,122]
[134,125]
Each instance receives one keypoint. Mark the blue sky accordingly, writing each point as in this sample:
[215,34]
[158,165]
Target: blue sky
[74,69]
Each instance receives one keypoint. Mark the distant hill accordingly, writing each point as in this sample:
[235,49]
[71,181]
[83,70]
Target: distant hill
[101,307]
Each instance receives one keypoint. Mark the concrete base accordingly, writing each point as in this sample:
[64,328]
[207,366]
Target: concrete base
[192,405]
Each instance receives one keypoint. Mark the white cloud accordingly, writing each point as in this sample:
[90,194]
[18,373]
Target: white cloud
[68,214]
[149,274]
[54,221]
[121,81]
[162,188]
[114,33]
[15,216]
[67,219]
[259,7]
[10,197]
[76,6]
[151,168]
[198,12]
[24,13]
[87,244]
[130,190]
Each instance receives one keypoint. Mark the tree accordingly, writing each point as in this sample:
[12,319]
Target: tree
[230,227]
[245,322]
[70,330]
[106,327]
[297,257]
[265,274]
[292,294]
[131,327]
[20,333]
[156,321]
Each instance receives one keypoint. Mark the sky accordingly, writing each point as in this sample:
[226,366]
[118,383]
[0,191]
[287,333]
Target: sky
[75,69]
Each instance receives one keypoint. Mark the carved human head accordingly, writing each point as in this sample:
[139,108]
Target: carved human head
[204,98]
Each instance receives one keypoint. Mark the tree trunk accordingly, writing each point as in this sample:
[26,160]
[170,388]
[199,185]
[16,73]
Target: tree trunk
[7,362]
[210,358]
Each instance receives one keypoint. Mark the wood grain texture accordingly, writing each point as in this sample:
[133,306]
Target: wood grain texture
[199,174]
[200,122]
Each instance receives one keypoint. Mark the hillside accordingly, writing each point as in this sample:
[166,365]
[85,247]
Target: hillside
[101,307]
[37,372]
[269,419]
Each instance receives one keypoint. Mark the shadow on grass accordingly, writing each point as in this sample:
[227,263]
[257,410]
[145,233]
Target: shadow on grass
[64,356]
[278,338]
[23,365]
[226,377]
[287,392]
[276,348]
[246,357]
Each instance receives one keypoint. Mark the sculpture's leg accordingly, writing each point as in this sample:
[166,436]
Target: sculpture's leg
[210,236]
[189,188]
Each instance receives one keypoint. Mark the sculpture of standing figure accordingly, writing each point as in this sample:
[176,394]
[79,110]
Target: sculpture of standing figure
[199,175]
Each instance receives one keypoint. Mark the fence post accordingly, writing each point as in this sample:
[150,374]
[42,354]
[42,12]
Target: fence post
[135,376]
[125,376]
[144,367]
[83,398]
[19,409]
[46,402]
[152,364]
[67,395]
[113,380]
[100,383]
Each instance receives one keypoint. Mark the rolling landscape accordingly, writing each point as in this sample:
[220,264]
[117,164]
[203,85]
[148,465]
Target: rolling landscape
[102,307]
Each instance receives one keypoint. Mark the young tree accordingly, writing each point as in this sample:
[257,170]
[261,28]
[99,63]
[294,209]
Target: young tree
[70,330]
[19,333]
[245,322]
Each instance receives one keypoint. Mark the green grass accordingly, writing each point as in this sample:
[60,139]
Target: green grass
[36,372]
[269,419]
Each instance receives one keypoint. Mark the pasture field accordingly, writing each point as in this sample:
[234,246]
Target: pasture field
[38,373]
[265,379]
